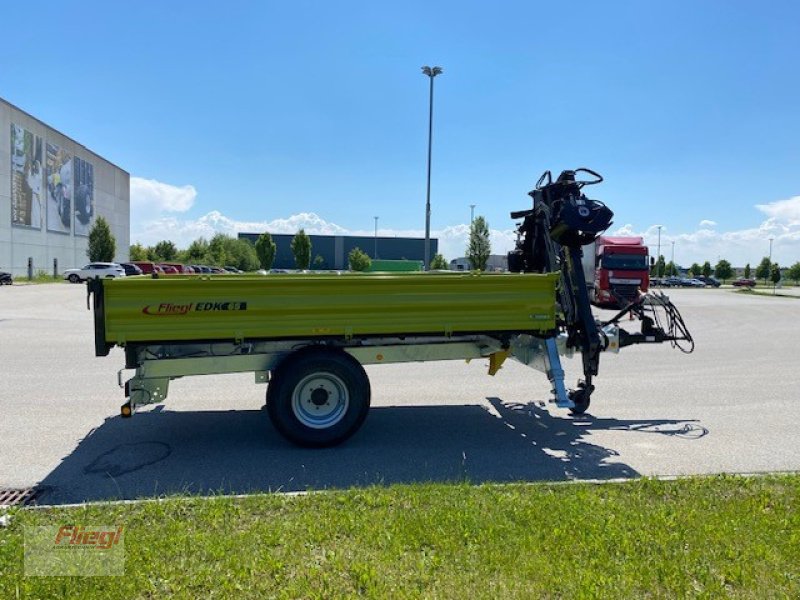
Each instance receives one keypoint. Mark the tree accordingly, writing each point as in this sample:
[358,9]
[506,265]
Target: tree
[694,270]
[301,248]
[218,250]
[774,275]
[763,269]
[265,249]
[164,251]
[319,262]
[138,252]
[359,260]
[244,255]
[196,253]
[723,270]
[224,250]
[671,270]
[102,246]
[479,247]
[747,271]
[707,269]
[438,263]
[794,272]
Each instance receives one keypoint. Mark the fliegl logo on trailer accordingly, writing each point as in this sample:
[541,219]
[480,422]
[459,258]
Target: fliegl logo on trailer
[168,309]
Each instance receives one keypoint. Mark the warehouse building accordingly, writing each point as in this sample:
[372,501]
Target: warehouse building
[331,251]
[51,191]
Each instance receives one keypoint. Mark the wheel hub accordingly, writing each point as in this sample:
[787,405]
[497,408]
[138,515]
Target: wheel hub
[320,400]
[319,396]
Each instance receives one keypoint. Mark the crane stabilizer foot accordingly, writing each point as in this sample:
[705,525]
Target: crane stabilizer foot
[555,373]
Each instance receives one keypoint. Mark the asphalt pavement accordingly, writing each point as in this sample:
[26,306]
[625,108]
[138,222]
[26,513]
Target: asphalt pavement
[728,407]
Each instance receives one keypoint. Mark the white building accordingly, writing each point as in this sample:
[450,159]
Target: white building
[496,262]
[51,191]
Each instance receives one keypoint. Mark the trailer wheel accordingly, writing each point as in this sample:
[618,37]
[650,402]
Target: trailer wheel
[319,397]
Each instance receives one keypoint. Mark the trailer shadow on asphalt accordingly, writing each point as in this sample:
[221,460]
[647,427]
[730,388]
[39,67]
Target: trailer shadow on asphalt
[161,452]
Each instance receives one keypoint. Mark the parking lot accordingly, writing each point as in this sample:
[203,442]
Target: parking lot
[728,407]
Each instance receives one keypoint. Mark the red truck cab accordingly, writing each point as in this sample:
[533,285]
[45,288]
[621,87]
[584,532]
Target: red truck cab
[616,269]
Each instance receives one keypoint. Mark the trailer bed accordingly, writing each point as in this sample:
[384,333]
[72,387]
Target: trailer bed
[296,306]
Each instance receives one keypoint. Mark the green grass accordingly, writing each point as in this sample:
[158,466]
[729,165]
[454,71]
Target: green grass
[38,277]
[711,537]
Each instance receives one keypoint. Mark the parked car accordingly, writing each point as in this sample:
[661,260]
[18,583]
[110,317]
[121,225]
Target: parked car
[130,269]
[201,269]
[180,268]
[671,281]
[169,269]
[94,270]
[712,281]
[692,282]
[5,278]
[230,269]
[148,268]
[744,282]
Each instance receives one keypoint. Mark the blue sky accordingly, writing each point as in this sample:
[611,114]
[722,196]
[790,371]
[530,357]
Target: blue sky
[248,115]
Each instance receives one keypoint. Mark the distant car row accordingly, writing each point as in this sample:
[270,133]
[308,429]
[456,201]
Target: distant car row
[684,282]
[110,270]
[700,281]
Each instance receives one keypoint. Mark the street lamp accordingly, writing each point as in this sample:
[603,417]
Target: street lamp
[672,260]
[770,258]
[658,254]
[375,253]
[472,213]
[431,72]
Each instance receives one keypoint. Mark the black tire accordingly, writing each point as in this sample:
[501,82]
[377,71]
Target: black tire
[74,278]
[318,397]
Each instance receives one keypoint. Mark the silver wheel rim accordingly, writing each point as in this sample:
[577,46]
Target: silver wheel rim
[320,400]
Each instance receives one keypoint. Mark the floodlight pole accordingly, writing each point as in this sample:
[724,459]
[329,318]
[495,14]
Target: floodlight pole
[375,253]
[430,73]
[658,255]
[770,259]
[672,260]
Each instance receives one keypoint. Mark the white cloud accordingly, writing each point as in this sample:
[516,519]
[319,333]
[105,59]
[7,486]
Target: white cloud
[184,231]
[708,223]
[786,211]
[149,195]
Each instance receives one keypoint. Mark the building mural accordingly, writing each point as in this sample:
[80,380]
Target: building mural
[59,189]
[83,194]
[26,178]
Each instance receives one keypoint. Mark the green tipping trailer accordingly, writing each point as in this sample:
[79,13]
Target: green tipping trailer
[309,335]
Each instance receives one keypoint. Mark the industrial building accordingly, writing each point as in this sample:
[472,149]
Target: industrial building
[52,189]
[331,251]
[496,262]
